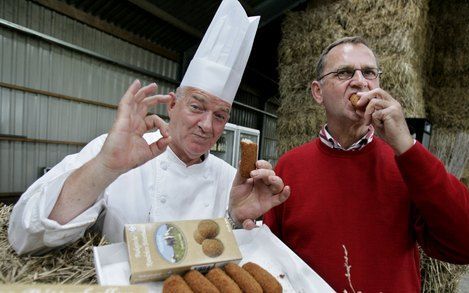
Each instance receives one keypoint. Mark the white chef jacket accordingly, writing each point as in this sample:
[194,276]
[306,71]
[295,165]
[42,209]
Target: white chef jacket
[162,189]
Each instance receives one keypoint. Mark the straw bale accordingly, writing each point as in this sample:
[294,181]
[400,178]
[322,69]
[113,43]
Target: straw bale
[438,276]
[465,176]
[396,30]
[449,107]
[451,147]
[448,79]
[70,265]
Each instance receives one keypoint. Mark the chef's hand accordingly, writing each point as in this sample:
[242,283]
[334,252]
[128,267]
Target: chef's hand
[250,198]
[387,117]
[125,148]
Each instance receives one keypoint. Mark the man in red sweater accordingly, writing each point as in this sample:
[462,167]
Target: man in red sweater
[368,198]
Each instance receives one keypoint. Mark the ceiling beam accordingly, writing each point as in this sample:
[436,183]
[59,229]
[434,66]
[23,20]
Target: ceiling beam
[247,7]
[72,12]
[163,15]
[271,9]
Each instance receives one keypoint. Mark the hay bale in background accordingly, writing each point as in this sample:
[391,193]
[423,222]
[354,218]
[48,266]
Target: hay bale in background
[439,276]
[70,265]
[396,30]
[448,79]
[451,148]
[448,109]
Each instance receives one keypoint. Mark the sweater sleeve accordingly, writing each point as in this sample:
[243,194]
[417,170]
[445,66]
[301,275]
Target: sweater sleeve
[441,219]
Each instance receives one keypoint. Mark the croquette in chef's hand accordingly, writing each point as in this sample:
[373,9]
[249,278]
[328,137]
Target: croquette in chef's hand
[222,281]
[198,283]
[268,282]
[245,281]
[176,284]
[248,158]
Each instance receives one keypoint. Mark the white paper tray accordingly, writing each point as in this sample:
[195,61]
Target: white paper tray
[258,245]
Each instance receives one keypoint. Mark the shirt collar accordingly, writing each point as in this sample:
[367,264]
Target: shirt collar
[331,142]
[173,157]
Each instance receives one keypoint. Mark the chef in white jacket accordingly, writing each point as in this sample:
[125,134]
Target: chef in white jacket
[133,175]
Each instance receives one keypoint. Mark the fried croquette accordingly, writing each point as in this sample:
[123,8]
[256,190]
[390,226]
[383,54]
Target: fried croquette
[198,283]
[208,229]
[222,281]
[212,247]
[268,282]
[176,284]
[198,238]
[248,158]
[245,281]
[354,100]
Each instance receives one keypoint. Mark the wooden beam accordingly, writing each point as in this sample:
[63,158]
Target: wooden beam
[272,9]
[65,97]
[163,15]
[70,11]
[55,95]
[37,140]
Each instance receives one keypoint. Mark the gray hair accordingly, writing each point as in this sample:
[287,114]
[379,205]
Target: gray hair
[180,92]
[347,40]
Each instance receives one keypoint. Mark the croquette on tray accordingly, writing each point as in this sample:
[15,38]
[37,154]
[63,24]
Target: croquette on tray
[250,278]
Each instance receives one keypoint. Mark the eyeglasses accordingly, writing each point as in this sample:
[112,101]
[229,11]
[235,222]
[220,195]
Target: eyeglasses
[348,73]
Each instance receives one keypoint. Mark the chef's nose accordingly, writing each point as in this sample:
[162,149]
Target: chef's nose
[206,121]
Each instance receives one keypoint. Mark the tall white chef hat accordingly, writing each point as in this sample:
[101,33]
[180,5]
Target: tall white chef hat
[221,58]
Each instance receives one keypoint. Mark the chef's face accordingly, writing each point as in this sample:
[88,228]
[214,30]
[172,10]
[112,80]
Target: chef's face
[197,121]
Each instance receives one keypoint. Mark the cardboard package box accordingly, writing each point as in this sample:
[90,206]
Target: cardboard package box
[157,250]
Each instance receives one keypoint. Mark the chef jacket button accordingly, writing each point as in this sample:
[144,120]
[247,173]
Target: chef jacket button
[163,200]
[207,204]
[164,166]
[205,175]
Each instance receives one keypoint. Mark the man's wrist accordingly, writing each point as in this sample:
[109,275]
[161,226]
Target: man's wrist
[404,146]
[234,223]
[103,172]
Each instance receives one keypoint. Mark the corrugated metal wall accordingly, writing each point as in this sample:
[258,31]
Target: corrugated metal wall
[243,116]
[29,62]
[269,149]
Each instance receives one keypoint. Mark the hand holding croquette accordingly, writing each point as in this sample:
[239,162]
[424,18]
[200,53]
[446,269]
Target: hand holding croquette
[252,197]
[387,117]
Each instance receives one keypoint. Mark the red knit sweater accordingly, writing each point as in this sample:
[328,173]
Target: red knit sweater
[375,204]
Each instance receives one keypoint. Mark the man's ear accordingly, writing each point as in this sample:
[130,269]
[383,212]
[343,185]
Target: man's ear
[171,103]
[316,92]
